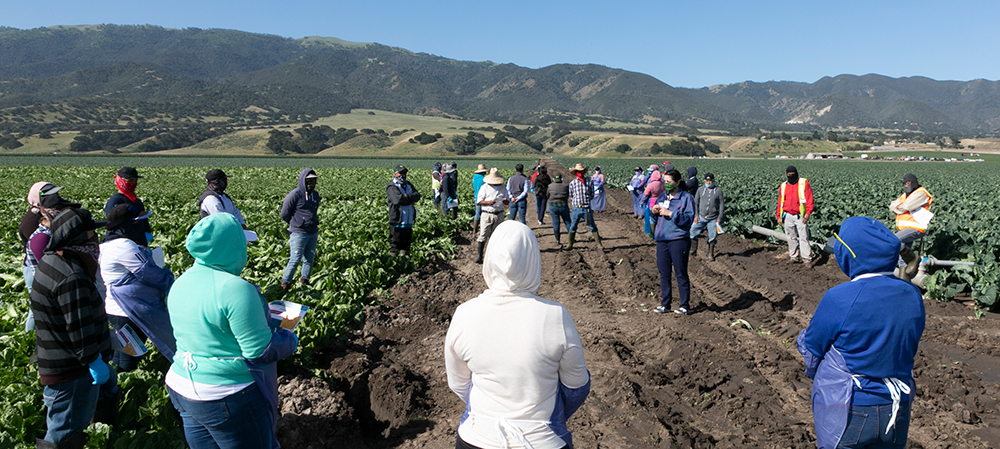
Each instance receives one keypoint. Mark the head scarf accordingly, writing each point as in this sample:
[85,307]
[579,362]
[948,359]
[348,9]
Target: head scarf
[125,188]
[914,184]
[794,178]
[512,264]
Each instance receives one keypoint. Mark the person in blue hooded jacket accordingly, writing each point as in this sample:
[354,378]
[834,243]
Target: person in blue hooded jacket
[860,344]
[674,213]
[300,210]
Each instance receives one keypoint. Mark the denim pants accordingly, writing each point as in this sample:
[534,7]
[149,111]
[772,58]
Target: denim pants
[237,421]
[520,206]
[541,202]
[673,253]
[705,224]
[557,212]
[582,213]
[303,250]
[70,405]
[123,361]
[908,236]
[479,213]
[29,277]
[866,427]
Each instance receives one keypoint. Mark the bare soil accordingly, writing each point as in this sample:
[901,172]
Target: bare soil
[666,381]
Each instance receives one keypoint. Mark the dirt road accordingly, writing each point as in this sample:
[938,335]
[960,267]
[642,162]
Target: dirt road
[665,381]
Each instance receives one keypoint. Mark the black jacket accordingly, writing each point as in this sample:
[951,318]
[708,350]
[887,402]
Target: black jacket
[397,201]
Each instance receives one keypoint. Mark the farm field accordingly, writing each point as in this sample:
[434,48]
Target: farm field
[373,376]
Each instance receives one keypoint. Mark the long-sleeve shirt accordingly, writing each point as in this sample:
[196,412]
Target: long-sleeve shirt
[495,193]
[213,205]
[913,201]
[517,186]
[580,193]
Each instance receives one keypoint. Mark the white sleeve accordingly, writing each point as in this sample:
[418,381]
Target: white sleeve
[572,367]
[457,368]
[212,205]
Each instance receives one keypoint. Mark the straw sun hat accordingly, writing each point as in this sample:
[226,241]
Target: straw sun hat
[579,168]
[493,178]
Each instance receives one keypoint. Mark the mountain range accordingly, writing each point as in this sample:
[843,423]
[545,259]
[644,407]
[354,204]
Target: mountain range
[197,72]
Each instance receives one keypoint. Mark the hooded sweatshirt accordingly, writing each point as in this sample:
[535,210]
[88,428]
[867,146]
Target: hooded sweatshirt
[691,185]
[300,207]
[654,187]
[71,326]
[512,355]
[218,318]
[852,317]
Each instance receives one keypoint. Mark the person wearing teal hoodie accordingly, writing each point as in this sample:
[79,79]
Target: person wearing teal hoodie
[223,380]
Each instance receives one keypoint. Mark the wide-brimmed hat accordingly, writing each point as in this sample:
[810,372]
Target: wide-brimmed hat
[579,168]
[493,178]
[481,169]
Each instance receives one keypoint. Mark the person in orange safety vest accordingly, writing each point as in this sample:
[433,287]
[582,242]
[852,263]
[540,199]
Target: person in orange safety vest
[795,204]
[913,214]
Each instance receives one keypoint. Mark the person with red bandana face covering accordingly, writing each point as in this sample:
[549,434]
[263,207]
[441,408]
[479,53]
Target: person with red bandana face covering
[126,181]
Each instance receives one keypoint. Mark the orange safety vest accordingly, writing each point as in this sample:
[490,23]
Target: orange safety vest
[802,196]
[905,220]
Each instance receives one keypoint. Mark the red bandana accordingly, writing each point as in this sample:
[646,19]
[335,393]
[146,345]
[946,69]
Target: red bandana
[126,188]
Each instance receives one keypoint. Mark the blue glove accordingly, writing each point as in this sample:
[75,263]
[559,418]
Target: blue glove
[99,371]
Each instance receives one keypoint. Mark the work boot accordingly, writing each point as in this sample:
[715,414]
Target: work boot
[711,250]
[304,282]
[558,242]
[694,247]
[572,240]
[284,286]
[911,259]
[76,441]
[107,409]
[479,252]
[597,238]
[475,225]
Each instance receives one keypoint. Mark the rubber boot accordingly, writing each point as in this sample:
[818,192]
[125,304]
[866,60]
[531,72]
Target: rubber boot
[107,409]
[76,441]
[597,238]
[454,213]
[911,259]
[479,252]
[572,240]
[475,226]
[711,250]
[558,242]
[694,247]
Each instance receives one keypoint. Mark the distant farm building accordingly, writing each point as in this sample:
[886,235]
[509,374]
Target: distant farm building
[888,148]
[824,156]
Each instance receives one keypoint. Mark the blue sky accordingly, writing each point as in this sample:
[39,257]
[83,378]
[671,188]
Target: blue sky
[682,43]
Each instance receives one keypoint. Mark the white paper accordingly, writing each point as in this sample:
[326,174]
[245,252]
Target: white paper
[718,228]
[250,235]
[922,216]
[158,257]
[128,342]
[288,312]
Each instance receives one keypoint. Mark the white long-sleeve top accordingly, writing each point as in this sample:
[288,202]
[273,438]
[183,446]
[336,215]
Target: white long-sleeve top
[212,205]
[118,258]
[507,350]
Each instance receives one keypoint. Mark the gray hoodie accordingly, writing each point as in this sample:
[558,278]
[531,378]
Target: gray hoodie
[708,202]
[300,207]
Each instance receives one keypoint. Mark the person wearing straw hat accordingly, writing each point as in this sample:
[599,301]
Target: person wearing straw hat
[492,197]
[581,192]
[477,182]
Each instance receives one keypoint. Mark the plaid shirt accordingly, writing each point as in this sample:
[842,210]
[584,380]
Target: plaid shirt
[580,193]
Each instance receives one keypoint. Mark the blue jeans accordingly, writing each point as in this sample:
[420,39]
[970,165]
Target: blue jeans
[582,213]
[702,224]
[479,213]
[540,203]
[29,277]
[303,250]
[71,405]
[236,421]
[866,427]
[520,206]
[673,253]
[557,212]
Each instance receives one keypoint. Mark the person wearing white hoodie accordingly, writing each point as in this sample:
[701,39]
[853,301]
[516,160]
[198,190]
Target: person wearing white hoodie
[514,358]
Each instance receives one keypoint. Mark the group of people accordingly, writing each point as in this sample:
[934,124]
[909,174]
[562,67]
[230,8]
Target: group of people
[89,297]
[94,303]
